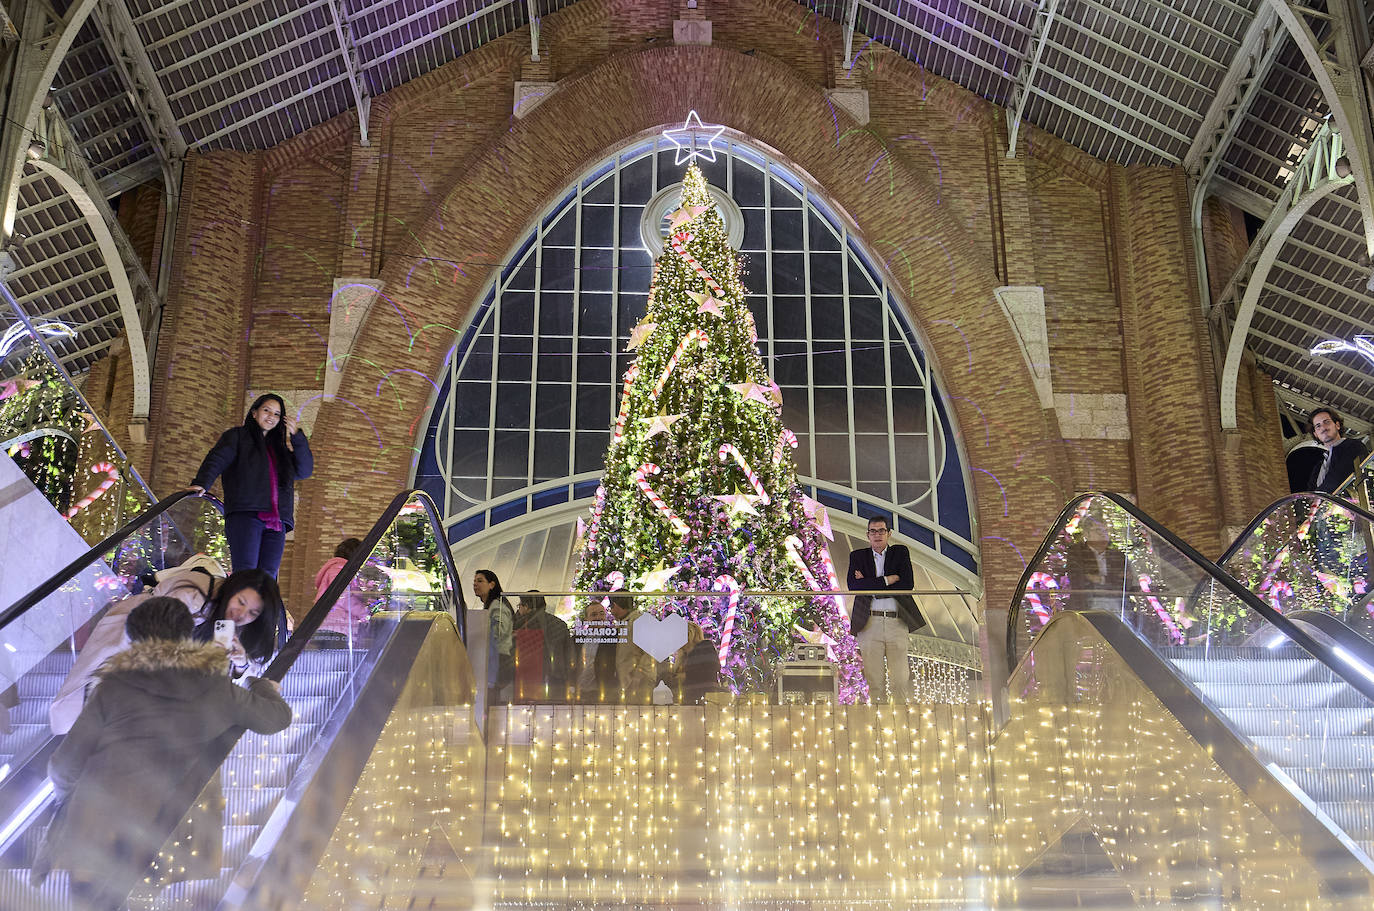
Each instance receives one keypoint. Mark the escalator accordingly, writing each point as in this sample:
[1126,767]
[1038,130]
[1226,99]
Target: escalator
[342,686]
[1181,660]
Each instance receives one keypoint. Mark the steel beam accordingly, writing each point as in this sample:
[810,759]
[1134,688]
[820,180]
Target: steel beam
[851,17]
[348,52]
[1043,18]
[46,38]
[1314,178]
[128,306]
[1335,64]
[116,26]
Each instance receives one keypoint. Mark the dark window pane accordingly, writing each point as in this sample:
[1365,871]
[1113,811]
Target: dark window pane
[669,173]
[784,196]
[557,270]
[904,371]
[820,235]
[477,365]
[513,404]
[878,490]
[510,456]
[789,317]
[789,273]
[832,410]
[636,181]
[630,235]
[523,279]
[591,450]
[755,230]
[636,269]
[827,273]
[472,405]
[517,313]
[603,191]
[598,226]
[870,409]
[758,305]
[748,186]
[552,405]
[860,282]
[594,407]
[787,229]
[555,313]
[793,364]
[515,365]
[555,359]
[827,365]
[594,317]
[868,364]
[563,233]
[865,317]
[470,453]
[908,412]
[598,270]
[913,460]
[832,459]
[796,413]
[502,486]
[714,171]
[871,451]
[632,309]
[593,368]
[827,317]
[550,455]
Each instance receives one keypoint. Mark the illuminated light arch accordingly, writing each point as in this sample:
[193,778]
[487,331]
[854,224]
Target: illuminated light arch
[522,417]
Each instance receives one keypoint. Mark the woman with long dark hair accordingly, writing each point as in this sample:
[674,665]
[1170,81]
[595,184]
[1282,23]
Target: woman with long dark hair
[251,601]
[260,461]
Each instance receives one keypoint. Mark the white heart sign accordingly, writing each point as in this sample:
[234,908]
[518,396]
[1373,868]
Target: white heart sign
[660,638]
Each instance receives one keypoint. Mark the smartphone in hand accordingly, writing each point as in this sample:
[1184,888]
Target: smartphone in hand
[224,634]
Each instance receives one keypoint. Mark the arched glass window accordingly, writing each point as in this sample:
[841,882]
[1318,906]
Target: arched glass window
[524,409]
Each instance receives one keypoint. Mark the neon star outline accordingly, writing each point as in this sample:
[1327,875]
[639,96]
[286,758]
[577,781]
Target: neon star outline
[690,150]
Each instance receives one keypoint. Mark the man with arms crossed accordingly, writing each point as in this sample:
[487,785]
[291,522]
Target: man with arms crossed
[881,623]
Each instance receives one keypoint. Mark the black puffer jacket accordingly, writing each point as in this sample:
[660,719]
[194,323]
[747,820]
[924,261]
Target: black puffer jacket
[243,463]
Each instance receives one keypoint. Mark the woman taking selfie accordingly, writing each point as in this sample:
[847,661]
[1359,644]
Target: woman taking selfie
[260,461]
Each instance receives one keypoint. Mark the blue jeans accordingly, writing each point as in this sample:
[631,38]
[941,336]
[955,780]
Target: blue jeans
[251,545]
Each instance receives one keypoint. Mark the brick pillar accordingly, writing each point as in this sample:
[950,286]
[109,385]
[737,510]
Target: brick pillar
[1174,437]
[202,358]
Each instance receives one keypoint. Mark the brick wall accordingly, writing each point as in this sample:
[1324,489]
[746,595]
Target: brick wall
[452,181]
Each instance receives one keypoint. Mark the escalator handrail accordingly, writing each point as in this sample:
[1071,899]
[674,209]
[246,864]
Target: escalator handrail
[1280,503]
[60,578]
[1364,684]
[308,624]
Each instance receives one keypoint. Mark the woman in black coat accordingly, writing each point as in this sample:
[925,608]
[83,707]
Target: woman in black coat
[260,461]
[122,775]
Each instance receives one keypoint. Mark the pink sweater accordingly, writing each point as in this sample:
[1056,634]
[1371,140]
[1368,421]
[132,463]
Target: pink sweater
[350,611]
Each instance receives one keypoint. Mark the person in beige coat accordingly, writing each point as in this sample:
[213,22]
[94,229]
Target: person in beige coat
[635,668]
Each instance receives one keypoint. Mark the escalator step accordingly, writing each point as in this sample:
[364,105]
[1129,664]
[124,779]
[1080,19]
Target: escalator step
[1356,819]
[1325,722]
[1317,752]
[1295,695]
[1336,783]
[1285,671]
[294,740]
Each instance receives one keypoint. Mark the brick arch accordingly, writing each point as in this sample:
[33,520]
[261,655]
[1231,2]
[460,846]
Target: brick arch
[928,253]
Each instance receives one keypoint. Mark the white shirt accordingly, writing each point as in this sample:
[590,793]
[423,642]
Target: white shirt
[883,604]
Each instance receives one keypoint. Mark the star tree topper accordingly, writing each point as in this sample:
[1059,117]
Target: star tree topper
[685,139]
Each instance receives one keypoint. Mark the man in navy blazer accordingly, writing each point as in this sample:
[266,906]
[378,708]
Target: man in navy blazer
[882,623]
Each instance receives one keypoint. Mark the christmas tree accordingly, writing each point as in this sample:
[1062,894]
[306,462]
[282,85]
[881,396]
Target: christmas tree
[700,490]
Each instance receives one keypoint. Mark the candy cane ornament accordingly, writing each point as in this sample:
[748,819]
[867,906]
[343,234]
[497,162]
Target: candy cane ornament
[788,438]
[616,579]
[679,244]
[625,403]
[695,335]
[596,516]
[728,449]
[793,545]
[726,582]
[641,473]
[111,476]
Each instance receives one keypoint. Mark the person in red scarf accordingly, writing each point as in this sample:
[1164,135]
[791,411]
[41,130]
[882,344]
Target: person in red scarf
[260,462]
